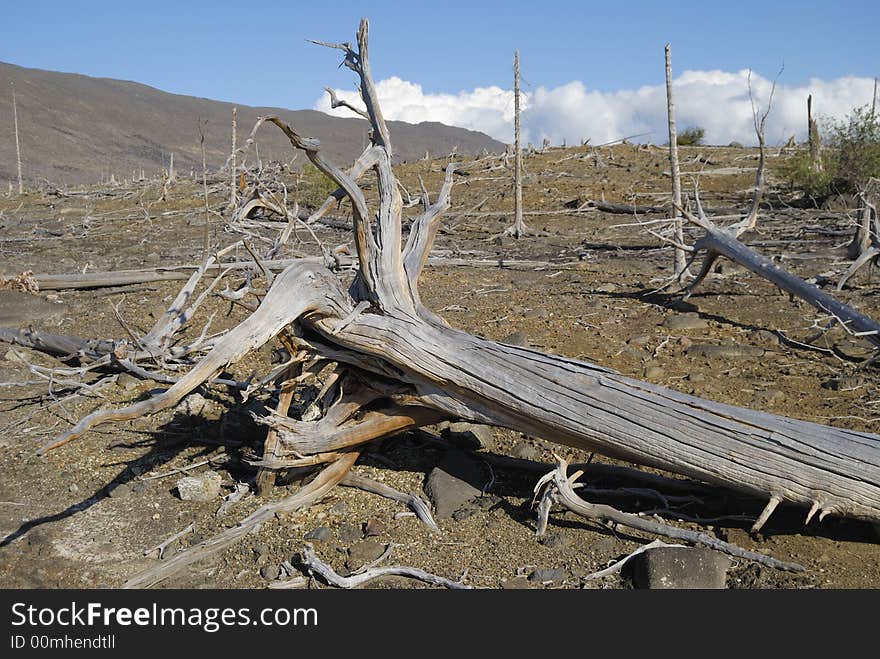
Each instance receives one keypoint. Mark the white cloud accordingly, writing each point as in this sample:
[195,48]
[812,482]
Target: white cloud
[715,100]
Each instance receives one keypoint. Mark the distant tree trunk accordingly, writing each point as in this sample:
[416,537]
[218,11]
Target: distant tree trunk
[233,200]
[813,130]
[518,228]
[874,99]
[17,143]
[679,260]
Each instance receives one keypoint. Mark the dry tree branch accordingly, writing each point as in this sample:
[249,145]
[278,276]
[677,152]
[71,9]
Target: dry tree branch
[556,487]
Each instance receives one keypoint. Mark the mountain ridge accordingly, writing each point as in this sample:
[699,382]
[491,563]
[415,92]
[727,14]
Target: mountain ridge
[77,129]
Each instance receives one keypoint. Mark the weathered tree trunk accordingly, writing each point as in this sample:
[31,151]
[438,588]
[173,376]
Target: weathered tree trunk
[518,226]
[679,259]
[17,142]
[865,246]
[233,169]
[410,368]
[813,137]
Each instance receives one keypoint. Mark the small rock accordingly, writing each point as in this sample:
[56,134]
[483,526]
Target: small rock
[515,583]
[642,340]
[127,381]
[349,533]
[320,534]
[606,287]
[547,575]
[680,567]
[469,436]
[516,339]
[696,377]
[73,489]
[204,487]
[339,508]
[260,550]
[448,493]
[730,351]
[554,541]
[525,451]
[363,552]
[374,527]
[654,373]
[192,405]
[685,321]
[140,487]
[270,572]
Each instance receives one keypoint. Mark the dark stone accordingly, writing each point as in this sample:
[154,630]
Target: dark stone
[456,482]
[680,567]
[320,534]
[139,487]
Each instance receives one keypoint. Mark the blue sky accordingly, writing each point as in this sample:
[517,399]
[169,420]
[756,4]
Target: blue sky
[256,53]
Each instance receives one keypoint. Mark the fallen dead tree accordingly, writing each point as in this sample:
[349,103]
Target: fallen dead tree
[398,365]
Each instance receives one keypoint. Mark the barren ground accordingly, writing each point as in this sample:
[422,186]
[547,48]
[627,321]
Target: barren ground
[83,515]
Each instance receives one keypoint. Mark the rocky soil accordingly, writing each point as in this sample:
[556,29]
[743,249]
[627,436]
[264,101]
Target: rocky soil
[84,515]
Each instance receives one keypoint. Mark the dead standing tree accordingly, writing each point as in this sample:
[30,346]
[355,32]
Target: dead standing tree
[17,143]
[399,365]
[679,260]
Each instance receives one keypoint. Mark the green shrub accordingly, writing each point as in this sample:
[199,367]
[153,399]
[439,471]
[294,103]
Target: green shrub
[850,155]
[314,187]
[692,136]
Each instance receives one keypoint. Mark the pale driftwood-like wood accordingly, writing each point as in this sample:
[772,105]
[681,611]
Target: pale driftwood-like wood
[316,566]
[720,242]
[302,498]
[557,487]
[518,228]
[380,330]
[679,261]
[17,142]
[865,246]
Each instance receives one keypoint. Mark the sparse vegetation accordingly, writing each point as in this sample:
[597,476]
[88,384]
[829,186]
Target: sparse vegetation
[850,156]
[314,187]
[692,136]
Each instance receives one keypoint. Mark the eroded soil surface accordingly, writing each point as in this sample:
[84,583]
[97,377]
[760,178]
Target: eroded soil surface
[83,515]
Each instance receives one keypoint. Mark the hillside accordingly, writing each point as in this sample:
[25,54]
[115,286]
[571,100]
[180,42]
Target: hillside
[78,129]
